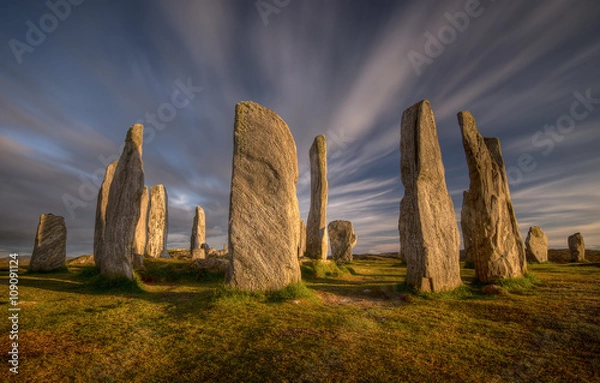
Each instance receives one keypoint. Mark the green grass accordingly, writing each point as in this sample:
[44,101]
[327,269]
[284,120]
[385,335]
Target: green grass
[357,323]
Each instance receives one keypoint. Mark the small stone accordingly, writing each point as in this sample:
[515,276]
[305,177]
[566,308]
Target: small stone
[50,248]
[198,235]
[342,239]
[158,223]
[576,247]
[536,245]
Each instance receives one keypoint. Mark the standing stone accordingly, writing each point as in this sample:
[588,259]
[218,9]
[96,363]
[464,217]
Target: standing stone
[139,240]
[158,227]
[577,247]
[342,239]
[316,225]
[101,203]
[489,225]
[428,231]
[50,248]
[198,235]
[302,240]
[123,208]
[263,209]
[536,245]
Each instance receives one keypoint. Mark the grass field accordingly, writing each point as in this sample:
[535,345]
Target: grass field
[354,324]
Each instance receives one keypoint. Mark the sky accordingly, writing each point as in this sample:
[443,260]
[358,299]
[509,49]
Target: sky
[75,74]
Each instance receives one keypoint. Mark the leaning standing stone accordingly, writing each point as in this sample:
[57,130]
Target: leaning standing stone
[536,245]
[123,208]
[157,223]
[316,225]
[489,225]
[577,247]
[263,209]
[342,239]
[198,235]
[429,234]
[101,204]
[50,248]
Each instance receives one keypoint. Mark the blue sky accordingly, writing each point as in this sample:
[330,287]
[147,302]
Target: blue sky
[71,85]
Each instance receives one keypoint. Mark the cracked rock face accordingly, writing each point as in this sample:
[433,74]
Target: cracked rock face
[50,248]
[576,247]
[536,245]
[123,208]
[429,235]
[198,235]
[316,225]
[263,209]
[158,223]
[490,229]
[342,239]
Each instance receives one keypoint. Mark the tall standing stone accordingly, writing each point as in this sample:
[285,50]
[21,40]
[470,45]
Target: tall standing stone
[342,239]
[536,245]
[198,235]
[139,240]
[101,204]
[576,247]
[429,234]
[158,227]
[123,208]
[302,240]
[50,248]
[490,229]
[263,209]
[316,225]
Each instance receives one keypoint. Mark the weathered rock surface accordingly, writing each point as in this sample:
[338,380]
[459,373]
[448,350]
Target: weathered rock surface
[576,247]
[302,240]
[211,265]
[263,209]
[316,225]
[141,232]
[198,235]
[123,208]
[101,203]
[84,260]
[490,229]
[536,245]
[50,247]
[342,239]
[158,226]
[429,234]
[214,253]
